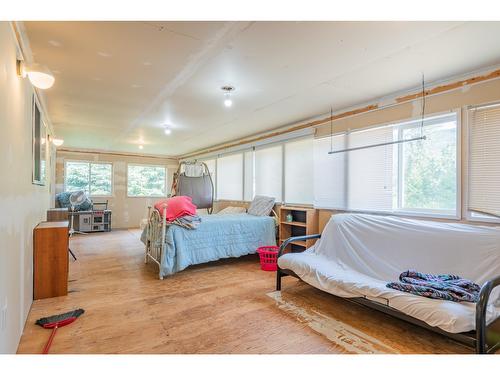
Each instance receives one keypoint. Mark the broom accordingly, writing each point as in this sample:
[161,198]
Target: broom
[55,321]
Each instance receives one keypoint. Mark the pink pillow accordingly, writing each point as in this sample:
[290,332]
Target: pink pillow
[176,207]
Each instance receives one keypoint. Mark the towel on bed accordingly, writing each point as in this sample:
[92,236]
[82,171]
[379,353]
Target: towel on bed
[176,207]
[446,287]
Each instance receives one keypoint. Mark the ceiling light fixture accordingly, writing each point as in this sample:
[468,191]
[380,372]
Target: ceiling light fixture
[228,102]
[141,147]
[39,75]
[168,131]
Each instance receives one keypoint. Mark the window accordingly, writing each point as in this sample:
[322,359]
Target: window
[299,171]
[329,172]
[268,172]
[429,168]
[146,181]
[241,176]
[412,177]
[249,183]
[230,177]
[369,172]
[95,179]
[484,163]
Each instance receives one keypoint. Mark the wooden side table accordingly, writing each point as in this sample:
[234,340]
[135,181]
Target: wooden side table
[50,259]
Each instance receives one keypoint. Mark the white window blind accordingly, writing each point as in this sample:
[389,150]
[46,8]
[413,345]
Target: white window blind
[211,164]
[230,177]
[484,160]
[369,177]
[299,171]
[329,173]
[268,172]
[248,178]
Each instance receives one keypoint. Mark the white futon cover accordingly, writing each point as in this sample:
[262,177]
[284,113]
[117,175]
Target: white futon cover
[358,254]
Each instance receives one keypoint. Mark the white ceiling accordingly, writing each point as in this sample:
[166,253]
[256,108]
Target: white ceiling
[118,83]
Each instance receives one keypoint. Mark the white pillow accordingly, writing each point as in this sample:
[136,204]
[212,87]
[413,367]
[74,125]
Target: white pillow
[261,206]
[232,210]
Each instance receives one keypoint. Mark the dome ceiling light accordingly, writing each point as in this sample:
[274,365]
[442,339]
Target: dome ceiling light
[228,102]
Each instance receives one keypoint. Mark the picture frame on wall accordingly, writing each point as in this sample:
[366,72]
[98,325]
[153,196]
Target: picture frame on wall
[39,145]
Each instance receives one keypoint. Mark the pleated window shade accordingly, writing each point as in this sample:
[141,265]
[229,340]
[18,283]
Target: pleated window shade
[268,172]
[329,185]
[248,177]
[484,160]
[230,177]
[370,172]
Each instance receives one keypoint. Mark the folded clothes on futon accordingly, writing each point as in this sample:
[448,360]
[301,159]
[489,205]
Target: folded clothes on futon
[446,287]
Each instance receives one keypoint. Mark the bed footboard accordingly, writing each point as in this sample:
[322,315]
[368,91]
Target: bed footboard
[155,239]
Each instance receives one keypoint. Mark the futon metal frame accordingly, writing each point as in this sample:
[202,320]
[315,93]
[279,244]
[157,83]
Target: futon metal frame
[484,340]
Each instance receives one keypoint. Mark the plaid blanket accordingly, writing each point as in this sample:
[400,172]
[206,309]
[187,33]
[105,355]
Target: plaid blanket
[446,287]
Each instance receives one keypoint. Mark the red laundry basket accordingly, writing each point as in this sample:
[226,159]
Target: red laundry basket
[268,257]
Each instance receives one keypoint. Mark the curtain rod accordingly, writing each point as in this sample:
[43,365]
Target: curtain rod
[378,145]
[421,138]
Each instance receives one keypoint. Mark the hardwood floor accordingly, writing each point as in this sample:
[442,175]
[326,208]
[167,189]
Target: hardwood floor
[221,307]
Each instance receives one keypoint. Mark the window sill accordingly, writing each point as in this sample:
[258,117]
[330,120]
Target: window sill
[147,196]
[402,213]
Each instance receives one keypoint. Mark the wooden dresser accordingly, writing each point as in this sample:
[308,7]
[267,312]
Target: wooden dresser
[50,259]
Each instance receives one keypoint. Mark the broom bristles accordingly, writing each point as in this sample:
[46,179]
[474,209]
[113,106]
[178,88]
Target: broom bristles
[60,317]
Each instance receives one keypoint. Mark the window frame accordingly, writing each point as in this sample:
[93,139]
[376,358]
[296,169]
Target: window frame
[467,139]
[397,211]
[165,183]
[89,162]
[423,212]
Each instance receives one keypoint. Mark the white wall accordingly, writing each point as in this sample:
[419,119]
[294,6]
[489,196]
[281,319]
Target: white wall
[22,204]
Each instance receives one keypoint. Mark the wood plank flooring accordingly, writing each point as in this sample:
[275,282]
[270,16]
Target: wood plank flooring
[221,307]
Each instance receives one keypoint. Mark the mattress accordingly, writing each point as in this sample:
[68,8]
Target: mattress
[358,254]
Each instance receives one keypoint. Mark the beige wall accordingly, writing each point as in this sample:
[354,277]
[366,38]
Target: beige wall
[22,204]
[127,211]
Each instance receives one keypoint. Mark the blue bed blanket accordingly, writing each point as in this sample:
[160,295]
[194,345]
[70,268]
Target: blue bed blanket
[217,237]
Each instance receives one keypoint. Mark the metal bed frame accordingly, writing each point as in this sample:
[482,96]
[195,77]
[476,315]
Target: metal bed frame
[484,340]
[156,229]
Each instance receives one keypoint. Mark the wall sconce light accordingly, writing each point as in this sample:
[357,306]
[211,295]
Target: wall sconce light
[57,141]
[39,75]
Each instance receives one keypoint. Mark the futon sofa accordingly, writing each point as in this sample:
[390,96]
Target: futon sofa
[357,255]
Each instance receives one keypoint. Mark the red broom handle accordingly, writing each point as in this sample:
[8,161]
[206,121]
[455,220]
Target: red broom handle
[49,342]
